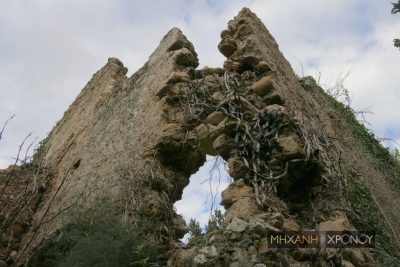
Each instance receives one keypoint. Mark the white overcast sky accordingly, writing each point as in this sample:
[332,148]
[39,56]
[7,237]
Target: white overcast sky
[50,49]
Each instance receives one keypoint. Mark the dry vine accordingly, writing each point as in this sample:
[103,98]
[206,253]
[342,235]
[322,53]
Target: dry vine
[256,136]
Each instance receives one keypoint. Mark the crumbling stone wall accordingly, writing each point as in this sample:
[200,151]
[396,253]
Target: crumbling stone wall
[136,140]
[121,141]
[19,200]
[264,123]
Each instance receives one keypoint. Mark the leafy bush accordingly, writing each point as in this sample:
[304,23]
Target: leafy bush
[97,242]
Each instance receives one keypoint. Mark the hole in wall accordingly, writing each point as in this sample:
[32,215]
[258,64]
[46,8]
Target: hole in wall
[202,195]
[296,191]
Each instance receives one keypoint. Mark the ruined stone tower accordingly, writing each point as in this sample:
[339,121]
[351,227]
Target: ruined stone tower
[135,141]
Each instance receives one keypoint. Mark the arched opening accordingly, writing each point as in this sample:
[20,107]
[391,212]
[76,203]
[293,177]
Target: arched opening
[202,196]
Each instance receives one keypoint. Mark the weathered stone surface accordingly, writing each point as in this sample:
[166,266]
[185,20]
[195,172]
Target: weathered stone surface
[355,256]
[227,46]
[290,147]
[244,30]
[208,135]
[178,76]
[261,227]
[274,109]
[215,118]
[136,137]
[218,96]
[336,225]
[231,65]
[234,192]
[224,146]
[300,264]
[209,71]
[240,258]
[116,127]
[290,225]
[186,58]
[262,67]
[206,256]
[346,263]
[225,33]
[209,251]
[237,225]
[236,168]
[274,98]
[205,140]
[242,208]
[199,259]
[275,219]
[278,102]
[262,86]
[185,257]
[180,226]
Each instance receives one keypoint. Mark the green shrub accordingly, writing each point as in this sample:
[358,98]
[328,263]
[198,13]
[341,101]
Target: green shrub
[97,242]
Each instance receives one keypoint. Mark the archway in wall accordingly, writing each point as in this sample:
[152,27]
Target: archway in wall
[202,195]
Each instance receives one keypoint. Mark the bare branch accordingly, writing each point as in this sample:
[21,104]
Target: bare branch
[5,124]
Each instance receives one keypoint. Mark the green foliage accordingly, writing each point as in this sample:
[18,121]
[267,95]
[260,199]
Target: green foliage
[44,145]
[396,7]
[367,213]
[369,216]
[384,159]
[197,235]
[396,43]
[100,241]
[216,221]
[396,157]
[257,243]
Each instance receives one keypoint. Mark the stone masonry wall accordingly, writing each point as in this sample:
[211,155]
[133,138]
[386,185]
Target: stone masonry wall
[134,142]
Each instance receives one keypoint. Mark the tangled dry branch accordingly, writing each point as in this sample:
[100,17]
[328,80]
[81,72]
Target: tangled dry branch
[255,134]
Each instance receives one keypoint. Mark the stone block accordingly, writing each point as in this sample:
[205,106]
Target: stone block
[262,86]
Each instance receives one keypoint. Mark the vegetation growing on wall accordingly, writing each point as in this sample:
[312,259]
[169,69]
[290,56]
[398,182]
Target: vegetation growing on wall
[95,238]
[367,214]
[44,145]
[386,161]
